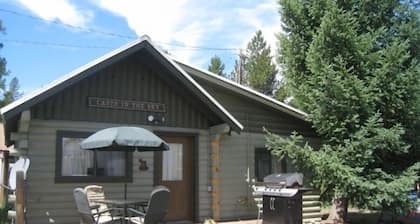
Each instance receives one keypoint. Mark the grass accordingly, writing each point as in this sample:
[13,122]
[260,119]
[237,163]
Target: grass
[356,216]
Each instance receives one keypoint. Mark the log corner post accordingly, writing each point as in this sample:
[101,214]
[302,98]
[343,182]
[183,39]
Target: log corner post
[4,168]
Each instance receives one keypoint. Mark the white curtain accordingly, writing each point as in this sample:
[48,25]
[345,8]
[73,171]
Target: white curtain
[172,163]
[75,160]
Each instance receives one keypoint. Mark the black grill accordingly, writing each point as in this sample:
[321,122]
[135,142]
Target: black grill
[282,198]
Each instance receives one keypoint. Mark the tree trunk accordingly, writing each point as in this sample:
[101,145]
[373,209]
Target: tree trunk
[338,212]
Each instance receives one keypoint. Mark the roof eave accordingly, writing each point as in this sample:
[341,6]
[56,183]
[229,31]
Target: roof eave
[228,117]
[42,93]
[28,100]
[243,89]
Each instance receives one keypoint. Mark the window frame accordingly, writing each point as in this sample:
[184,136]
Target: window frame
[59,178]
[257,157]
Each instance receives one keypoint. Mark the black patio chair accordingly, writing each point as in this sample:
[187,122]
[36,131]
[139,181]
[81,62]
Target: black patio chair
[87,214]
[157,207]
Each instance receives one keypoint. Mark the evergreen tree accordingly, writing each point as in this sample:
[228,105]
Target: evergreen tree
[11,92]
[234,74]
[353,65]
[217,66]
[3,70]
[260,72]
[283,94]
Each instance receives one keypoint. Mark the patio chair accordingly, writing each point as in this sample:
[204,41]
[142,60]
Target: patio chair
[157,207]
[86,213]
[95,193]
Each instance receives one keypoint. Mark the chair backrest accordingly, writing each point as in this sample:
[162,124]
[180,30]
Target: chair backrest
[82,204]
[94,193]
[158,205]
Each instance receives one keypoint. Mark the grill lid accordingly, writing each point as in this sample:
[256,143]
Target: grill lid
[287,179]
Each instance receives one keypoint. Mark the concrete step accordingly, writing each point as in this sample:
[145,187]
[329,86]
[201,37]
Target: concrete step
[310,203]
[311,221]
[310,197]
[311,209]
[311,215]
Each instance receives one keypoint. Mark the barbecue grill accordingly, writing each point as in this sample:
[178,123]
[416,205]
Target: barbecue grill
[282,198]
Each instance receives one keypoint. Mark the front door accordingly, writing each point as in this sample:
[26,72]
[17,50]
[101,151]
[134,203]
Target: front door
[174,169]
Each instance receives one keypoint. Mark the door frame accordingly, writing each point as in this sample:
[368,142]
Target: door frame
[195,164]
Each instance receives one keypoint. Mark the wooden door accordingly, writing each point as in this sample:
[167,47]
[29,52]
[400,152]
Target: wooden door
[174,169]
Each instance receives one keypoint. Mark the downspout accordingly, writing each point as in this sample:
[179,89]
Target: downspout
[248,160]
[216,134]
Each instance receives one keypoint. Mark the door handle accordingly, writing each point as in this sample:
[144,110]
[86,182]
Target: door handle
[274,199]
[272,203]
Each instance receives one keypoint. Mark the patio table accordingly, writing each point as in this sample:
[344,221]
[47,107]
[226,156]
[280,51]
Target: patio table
[124,203]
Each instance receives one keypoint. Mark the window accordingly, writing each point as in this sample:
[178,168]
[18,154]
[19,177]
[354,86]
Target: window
[172,163]
[77,165]
[262,163]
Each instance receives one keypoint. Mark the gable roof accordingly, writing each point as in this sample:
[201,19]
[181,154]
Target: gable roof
[243,90]
[82,72]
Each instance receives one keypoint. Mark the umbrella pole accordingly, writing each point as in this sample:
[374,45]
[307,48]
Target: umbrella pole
[125,191]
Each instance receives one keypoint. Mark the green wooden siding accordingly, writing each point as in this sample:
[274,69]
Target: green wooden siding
[237,166]
[137,78]
[49,202]
[254,115]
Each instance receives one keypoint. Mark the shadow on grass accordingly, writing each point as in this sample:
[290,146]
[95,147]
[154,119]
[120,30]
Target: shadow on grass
[363,218]
[374,217]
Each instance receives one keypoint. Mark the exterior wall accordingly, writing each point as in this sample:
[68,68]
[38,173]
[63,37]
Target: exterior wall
[50,202]
[135,78]
[237,172]
[255,115]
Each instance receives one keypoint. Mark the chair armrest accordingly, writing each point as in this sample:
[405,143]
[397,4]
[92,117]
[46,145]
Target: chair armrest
[99,213]
[141,205]
[136,212]
[96,207]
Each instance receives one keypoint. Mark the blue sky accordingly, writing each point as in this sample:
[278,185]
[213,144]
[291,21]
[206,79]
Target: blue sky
[39,48]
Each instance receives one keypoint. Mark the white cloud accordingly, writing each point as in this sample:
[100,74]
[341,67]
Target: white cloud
[61,10]
[163,21]
[156,18]
[192,36]
[262,17]
[225,24]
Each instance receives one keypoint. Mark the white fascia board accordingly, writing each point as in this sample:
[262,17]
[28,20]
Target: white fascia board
[68,76]
[200,88]
[269,101]
[111,54]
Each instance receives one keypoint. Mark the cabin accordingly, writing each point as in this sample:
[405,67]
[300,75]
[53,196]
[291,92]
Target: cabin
[214,127]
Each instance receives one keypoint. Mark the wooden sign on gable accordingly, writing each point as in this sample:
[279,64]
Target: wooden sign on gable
[126,104]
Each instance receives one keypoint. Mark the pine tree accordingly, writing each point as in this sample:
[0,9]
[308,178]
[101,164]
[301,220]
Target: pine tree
[3,70]
[11,92]
[260,72]
[217,66]
[353,66]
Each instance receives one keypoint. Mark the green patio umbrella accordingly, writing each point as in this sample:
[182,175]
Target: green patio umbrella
[124,139]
